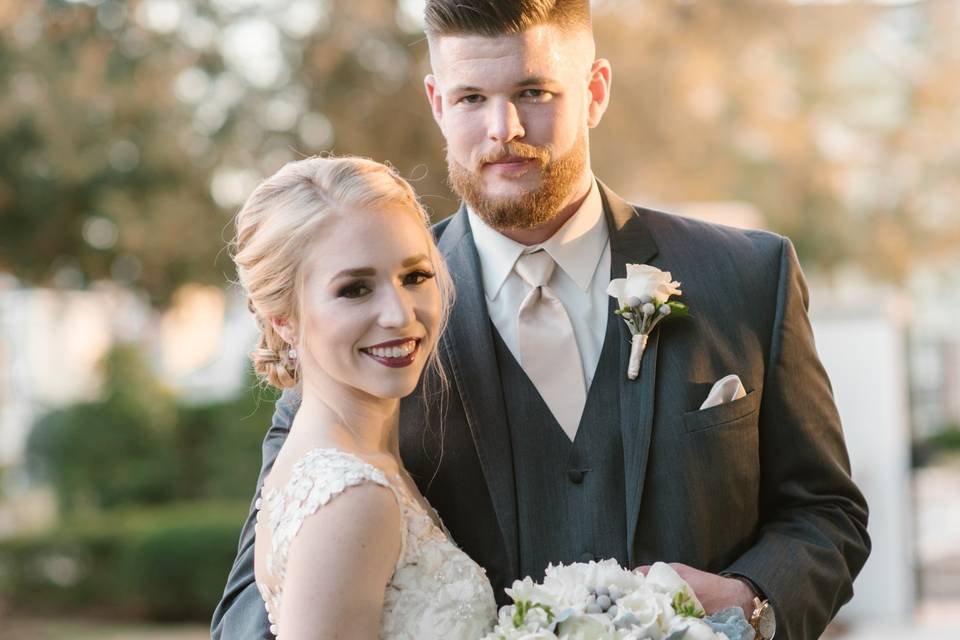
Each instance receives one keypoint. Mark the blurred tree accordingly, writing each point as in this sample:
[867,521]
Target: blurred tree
[130,131]
[114,452]
[832,120]
[218,446]
[93,182]
[139,446]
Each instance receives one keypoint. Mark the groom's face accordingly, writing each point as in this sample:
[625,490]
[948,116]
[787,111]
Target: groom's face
[515,110]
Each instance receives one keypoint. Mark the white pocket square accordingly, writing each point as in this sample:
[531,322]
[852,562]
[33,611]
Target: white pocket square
[726,389]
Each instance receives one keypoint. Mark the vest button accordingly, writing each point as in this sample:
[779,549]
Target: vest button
[575,475]
[587,557]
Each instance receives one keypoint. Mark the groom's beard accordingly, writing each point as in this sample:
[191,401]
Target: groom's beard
[558,178]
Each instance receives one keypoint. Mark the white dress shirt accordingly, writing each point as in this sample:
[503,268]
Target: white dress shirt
[581,249]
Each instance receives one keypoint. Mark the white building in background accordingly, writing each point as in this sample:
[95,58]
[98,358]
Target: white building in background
[51,346]
[205,339]
[52,342]
[862,346]
[935,348]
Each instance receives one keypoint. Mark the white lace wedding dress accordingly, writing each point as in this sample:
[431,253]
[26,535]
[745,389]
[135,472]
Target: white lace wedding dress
[436,590]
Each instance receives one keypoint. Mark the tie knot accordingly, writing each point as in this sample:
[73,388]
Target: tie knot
[535,268]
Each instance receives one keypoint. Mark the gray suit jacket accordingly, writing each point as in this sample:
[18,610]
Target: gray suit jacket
[758,487]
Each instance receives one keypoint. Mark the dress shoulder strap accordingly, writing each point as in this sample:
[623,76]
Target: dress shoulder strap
[316,479]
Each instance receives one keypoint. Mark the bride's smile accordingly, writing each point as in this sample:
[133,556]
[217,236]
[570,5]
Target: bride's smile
[395,353]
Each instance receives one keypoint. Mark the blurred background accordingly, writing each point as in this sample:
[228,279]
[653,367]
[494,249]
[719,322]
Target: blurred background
[130,132]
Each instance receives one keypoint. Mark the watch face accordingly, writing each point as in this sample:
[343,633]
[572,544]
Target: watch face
[767,624]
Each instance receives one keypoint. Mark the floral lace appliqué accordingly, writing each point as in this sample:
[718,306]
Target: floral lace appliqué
[436,590]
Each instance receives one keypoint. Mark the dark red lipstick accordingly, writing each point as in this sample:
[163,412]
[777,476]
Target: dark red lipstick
[395,354]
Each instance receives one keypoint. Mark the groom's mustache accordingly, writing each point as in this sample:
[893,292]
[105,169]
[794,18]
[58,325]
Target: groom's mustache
[514,150]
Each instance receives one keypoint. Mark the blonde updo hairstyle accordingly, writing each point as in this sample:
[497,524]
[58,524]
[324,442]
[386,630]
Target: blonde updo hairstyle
[279,223]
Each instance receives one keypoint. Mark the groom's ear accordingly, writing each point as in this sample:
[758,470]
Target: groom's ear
[435,98]
[598,91]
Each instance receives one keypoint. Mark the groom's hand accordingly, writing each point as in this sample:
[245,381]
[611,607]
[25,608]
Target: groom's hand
[714,592]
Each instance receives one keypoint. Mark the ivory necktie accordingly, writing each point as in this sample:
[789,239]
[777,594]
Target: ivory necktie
[548,349]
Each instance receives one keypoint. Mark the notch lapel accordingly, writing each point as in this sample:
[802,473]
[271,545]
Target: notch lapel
[468,346]
[631,242]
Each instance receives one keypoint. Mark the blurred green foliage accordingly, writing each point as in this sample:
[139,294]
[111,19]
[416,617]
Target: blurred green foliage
[112,452]
[107,171]
[88,133]
[152,495]
[167,563]
[137,445]
[126,142]
[948,439]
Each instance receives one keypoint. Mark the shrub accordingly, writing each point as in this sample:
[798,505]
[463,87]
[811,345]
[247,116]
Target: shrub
[946,440]
[139,446]
[165,563]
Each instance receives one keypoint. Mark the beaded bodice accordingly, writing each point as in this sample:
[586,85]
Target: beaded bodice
[436,590]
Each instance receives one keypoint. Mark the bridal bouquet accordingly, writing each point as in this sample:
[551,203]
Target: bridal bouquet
[604,601]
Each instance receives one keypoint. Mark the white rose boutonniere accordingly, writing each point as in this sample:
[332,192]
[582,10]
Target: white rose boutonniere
[644,299]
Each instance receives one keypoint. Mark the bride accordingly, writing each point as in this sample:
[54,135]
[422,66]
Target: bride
[350,295]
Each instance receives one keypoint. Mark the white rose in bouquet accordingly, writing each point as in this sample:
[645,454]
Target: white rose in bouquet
[664,579]
[536,625]
[647,612]
[568,584]
[571,584]
[527,590]
[587,627]
[694,629]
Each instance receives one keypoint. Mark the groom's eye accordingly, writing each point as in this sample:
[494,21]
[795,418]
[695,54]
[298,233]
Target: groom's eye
[353,290]
[537,95]
[473,98]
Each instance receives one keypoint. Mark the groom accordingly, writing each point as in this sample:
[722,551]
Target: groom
[542,450]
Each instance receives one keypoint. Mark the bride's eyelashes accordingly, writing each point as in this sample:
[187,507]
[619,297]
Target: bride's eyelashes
[418,277]
[353,290]
[359,288]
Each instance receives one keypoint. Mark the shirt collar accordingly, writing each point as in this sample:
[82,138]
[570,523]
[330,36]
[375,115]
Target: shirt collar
[576,247]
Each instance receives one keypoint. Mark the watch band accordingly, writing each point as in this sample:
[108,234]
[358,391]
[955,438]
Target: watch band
[750,583]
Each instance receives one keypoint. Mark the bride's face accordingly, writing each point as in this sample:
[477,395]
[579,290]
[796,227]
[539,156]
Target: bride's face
[371,305]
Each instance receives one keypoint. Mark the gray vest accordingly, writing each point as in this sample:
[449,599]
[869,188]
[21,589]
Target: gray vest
[571,504]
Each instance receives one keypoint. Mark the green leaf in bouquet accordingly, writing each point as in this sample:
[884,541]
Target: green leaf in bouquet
[685,605]
[524,606]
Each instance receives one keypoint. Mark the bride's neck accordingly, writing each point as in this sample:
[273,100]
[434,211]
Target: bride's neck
[353,420]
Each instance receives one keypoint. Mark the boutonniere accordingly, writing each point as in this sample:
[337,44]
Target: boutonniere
[644,298]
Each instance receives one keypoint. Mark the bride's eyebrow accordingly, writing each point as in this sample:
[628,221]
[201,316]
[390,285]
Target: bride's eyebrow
[362,272]
[412,260]
[367,272]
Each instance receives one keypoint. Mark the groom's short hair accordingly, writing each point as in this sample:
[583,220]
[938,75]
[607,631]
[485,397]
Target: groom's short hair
[502,17]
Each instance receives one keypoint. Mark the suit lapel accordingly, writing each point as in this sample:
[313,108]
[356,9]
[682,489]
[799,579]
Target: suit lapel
[631,242]
[468,346]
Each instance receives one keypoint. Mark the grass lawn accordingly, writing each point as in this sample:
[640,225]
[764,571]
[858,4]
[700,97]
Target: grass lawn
[71,629]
